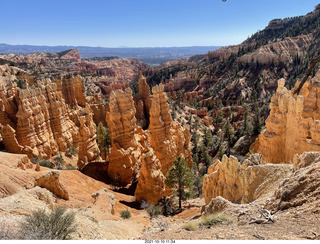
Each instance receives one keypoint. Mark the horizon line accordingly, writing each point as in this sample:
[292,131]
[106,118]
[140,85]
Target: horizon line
[60,45]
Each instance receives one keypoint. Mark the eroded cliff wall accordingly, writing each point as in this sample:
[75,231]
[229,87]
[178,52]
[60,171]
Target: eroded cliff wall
[144,139]
[37,121]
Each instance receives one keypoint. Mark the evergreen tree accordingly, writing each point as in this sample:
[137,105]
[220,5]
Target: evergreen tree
[196,123]
[206,159]
[180,177]
[104,141]
[246,123]
[195,140]
[228,135]
[256,121]
[207,139]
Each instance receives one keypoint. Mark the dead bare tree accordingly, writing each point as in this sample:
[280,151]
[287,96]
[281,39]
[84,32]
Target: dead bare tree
[311,67]
[264,218]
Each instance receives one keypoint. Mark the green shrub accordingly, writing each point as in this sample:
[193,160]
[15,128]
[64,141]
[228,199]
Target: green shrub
[213,219]
[56,225]
[46,163]
[70,167]
[59,159]
[190,226]
[72,151]
[154,211]
[125,214]
[166,206]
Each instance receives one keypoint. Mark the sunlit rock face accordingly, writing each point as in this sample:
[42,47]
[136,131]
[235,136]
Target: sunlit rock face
[242,183]
[293,125]
[145,141]
[38,121]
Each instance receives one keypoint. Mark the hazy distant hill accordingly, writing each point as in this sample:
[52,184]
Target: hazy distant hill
[151,55]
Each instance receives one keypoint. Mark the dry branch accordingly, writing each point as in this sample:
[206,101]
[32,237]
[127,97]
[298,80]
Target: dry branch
[264,218]
[311,67]
[258,234]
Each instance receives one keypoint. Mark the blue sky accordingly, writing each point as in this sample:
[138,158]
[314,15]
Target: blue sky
[140,23]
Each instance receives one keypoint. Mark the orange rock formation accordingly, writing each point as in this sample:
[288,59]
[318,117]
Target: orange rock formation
[293,125]
[242,183]
[144,155]
[38,121]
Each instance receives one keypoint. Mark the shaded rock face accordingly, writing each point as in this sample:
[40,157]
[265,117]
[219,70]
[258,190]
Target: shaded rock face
[73,90]
[99,110]
[72,55]
[242,183]
[88,148]
[143,102]
[293,125]
[144,155]
[38,122]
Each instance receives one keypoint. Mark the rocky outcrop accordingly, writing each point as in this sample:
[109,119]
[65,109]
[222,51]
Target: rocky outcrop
[305,159]
[293,125]
[222,53]
[151,186]
[124,162]
[242,183]
[63,127]
[99,110]
[80,91]
[73,90]
[43,125]
[50,181]
[72,54]
[38,122]
[144,154]
[302,189]
[17,172]
[143,102]
[33,127]
[88,148]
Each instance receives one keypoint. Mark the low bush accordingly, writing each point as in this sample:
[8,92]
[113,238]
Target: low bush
[56,225]
[125,214]
[59,159]
[6,233]
[154,211]
[46,163]
[70,167]
[166,206]
[190,226]
[71,151]
[213,219]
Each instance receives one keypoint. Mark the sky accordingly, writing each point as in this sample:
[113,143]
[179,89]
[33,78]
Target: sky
[141,23]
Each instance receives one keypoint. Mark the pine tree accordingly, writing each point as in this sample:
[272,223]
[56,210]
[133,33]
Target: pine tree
[206,159]
[207,139]
[104,142]
[228,135]
[195,140]
[180,177]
